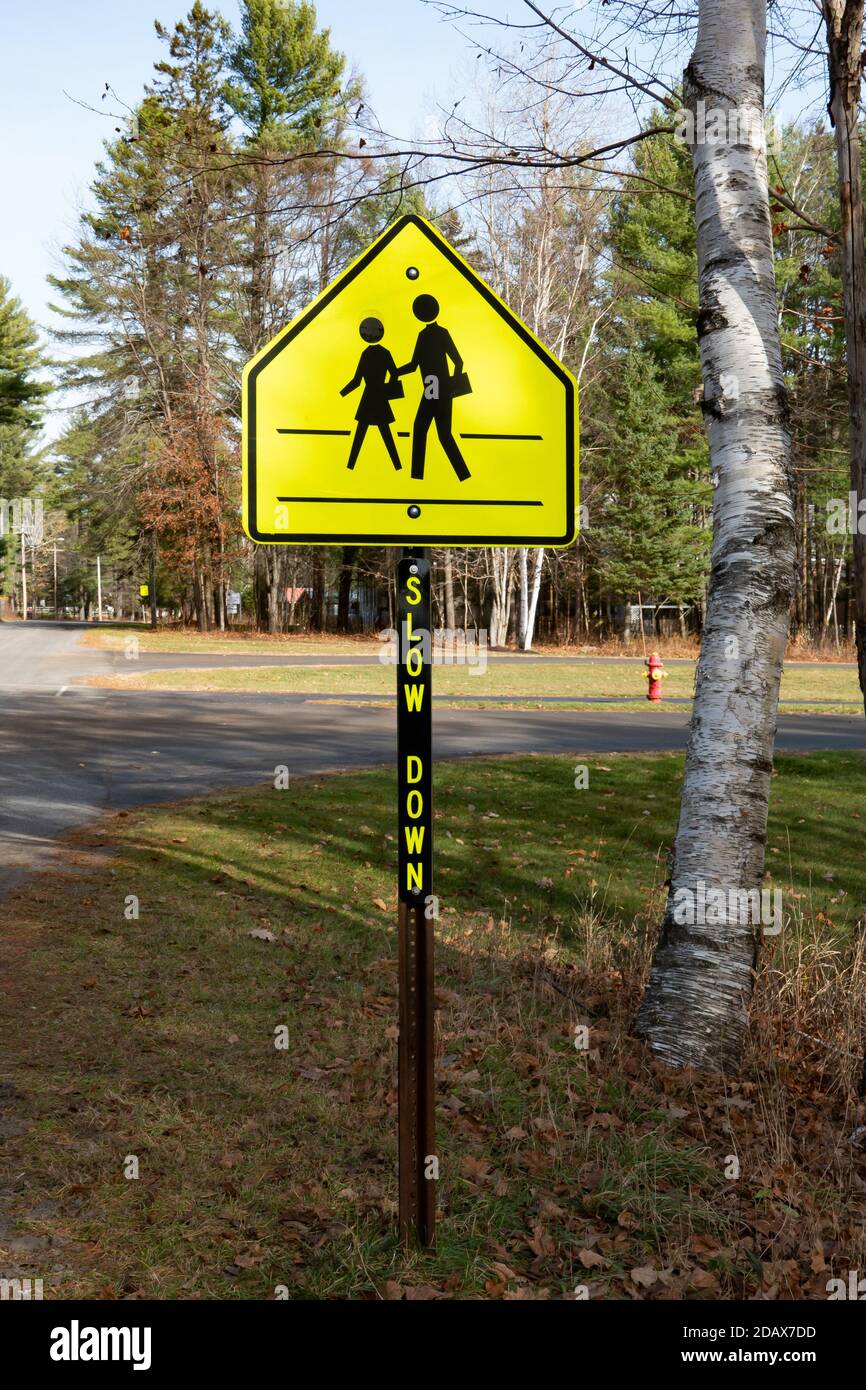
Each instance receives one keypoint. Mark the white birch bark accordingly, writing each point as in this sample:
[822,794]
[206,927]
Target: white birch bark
[450,620]
[528,631]
[830,612]
[695,1008]
[523,623]
[500,609]
[507,595]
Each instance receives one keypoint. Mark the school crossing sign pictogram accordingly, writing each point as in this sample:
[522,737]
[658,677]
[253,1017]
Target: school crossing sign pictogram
[408,405]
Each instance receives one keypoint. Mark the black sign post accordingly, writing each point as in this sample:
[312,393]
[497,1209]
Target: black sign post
[418,1164]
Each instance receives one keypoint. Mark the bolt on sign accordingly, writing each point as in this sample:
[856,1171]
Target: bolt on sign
[409,406]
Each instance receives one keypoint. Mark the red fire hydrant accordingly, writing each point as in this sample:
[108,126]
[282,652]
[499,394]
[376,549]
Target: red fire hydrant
[655,674]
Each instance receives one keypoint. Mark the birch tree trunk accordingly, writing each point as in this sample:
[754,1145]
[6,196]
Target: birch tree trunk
[844,24]
[528,633]
[500,609]
[523,571]
[694,1011]
[507,595]
[830,611]
[450,621]
[528,595]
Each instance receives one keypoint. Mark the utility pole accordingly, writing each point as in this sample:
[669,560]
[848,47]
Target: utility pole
[23,575]
[99,588]
[55,581]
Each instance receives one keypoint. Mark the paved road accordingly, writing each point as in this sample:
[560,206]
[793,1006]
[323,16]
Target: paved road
[66,758]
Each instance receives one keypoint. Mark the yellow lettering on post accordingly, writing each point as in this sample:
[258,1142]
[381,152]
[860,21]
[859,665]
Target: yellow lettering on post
[413,587]
[415,877]
[414,769]
[414,662]
[414,697]
[414,805]
[414,838]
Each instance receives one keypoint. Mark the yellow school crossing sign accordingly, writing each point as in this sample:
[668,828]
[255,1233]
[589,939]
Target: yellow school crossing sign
[408,405]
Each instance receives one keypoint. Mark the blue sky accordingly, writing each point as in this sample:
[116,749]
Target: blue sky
[52,47]
[410,58]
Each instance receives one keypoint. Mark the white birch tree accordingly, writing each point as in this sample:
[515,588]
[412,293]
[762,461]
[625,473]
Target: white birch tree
[695,1008]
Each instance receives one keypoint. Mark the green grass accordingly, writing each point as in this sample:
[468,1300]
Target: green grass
[524,683]
[260,1168]
[228,643]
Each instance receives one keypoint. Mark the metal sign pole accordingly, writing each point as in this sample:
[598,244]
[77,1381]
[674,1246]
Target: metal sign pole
[418,1165]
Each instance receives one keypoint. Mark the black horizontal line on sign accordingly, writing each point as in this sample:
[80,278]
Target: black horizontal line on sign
[414,502]
[405,434]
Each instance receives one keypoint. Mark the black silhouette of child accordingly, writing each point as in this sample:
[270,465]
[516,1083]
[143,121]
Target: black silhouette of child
[378,372]
[433,349]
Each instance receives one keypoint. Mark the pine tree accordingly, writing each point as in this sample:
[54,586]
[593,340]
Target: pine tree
[655,284]
[651,450]
[22,393]
[149,301]
[284,86]
[649,544]
[287,74]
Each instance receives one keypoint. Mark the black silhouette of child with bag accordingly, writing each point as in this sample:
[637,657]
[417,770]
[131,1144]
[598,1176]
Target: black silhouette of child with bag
[378,371]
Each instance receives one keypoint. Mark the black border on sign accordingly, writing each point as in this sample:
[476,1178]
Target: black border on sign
[408,537]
